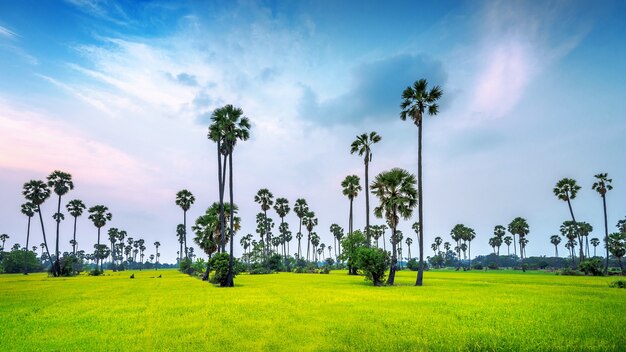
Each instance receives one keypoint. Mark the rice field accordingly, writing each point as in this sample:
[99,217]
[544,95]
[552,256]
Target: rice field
[454,311]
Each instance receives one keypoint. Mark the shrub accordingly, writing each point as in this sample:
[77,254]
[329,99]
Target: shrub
[258,270]
[185,266]
[492,266]
[618,284]
[413,264]
[96,272]
[374,262]
[325,270]
[13,261]
[592,267]
[219,263]
[569,272]
[477,266]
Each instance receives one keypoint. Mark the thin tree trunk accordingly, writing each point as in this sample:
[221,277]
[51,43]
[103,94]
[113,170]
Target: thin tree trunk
[26,248]
[556,250]
[514,248]
[350,218]
[185,238]
[98,259]
[392,269]
[582,253]
[231,275]
[74,244]
[606,236]
[45,242]
[384,245]
[367,199]
[221,192]
[469,250]
[420,200]
[57,263]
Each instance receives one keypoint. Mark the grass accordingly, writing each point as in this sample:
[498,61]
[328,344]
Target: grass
[455,311]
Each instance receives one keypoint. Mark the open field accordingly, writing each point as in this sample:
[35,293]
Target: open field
[296,312]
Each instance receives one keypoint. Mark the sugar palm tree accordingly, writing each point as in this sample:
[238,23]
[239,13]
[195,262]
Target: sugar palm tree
[351,188]
[113,234]
[99,215]
[29,210]
[310,221]
[508,240]
[363,145]
[4,237]
[395,190]
[75,207]
[469,236]
[584,229]
[519,226]
[595,242]
[185,199]
[61,183]
[282,209]
[300,208]
[337,232]
[566,190]
[377,231]
[265,199]
[416,101]
[617,246]
[602,186]
[180,234]
[409,242]
[37,192]
[555,240]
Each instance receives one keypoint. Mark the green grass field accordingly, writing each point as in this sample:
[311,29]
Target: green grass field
[458,311]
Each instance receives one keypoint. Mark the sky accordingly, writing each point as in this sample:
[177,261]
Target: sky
[119,94]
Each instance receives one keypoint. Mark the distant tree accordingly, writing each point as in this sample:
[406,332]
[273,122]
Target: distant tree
[566,190]
[310,221]
[29,209]
[337,232]
[351,244]
[351,188]
[157,244]
[61,183]
[99,215]
[416,101]
[300,208]
[397,197]
[508,240]
[363,146]
[469,235]
[3,238]
[555,240]
[113,234]
[584,229]
[265,199]
[602,186]
[37,192]
[180,234]
[519,226]
[617,247]
[621,226]
[185,199]
[75,207]
[595,242]
[282,209]
[409,242]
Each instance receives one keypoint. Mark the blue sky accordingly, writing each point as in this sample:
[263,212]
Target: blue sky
[118,95]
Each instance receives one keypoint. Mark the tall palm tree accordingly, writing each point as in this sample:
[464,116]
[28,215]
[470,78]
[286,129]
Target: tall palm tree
[113,234]
[603,185]
[584,230]
[234,127]
[37,192]
[409,242]
[519,226]
[377,231]
[75,207]
[185,199]
[310,221]
[300,208]
[99,215]
[363,145]
[337,232]
[555,240]
[566,190]
[469,236]
[351,187]
[595,242]
[508,240]
[282,209]
[61,183]
[4,237]
[265,199]
[457,236]
[383,229]
[416,101]
[397,197]
[29,210]
[617,247]
[180,234]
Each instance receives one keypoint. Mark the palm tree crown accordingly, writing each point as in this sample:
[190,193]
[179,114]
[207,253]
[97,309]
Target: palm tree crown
[566,189]
[75,207]
[185,199]
[36,192]
[418,99]
[351,186]
[99,215]
[397,194]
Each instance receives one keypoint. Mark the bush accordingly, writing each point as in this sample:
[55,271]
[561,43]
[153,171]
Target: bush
[493,266]
[325,270]
[185,266]
[477,266]
[569,272]
[592,267]
[374,263]
[219,263]
[259,270]
[96,272]
[413,264]
[618,284]
[13,262]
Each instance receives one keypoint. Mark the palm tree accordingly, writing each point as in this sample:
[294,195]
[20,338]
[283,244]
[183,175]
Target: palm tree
[569,230]
[519,226]
[383,228]
[595,242]
[469,236]
[617,247]
[508,240]
[362,145]
[180,234]
[337,232]
[282,209]
[566,190]
[265,198]
[184,199]
[603,185]
[416,101]
[409,242]
[37,192]
[113,234]
[351,188]
[99,215]
[377,231]
[75,207]
[555,240]
[3,238]
[584,230]
[234,127]
[29,210]
[61,183]
[310,221]
[457,235]
[300,208]
[397,196]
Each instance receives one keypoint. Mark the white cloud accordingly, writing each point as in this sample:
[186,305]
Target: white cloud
[7,33]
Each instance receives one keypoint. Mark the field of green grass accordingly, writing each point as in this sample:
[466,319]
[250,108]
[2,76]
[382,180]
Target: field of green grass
[456,311]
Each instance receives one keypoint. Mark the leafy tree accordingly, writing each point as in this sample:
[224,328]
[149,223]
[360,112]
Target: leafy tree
[617,247]
[19,260]
[351,187]
[363,146]
[350,244]
[397,197]
[185,199]
[373,262]
[75,207]
[416,101]
[602,186]
[519,226]
[61,183]
[555,240]
[37,192]
[566,190]
[99,215]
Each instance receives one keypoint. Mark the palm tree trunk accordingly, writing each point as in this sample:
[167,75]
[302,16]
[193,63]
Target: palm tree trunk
[606,236]
[230,279]
[74,244]
[57,264]
[350,218]
[580,242]
[367,199]
[392,269]
[420,205]
[514,248]
[469,249]
[43,231]
[97,249]
[26,248]
[221,192]
[556,250]
[185,232]
[384,245]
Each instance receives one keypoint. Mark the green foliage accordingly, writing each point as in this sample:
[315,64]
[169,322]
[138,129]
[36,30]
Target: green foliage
[593,267]
[569,272]
[219,264]
[13,261]
[413,264]
[350,245]
[185,266]
[373,262]
[198,267]
[477,266]
[96,272]
[618,284]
